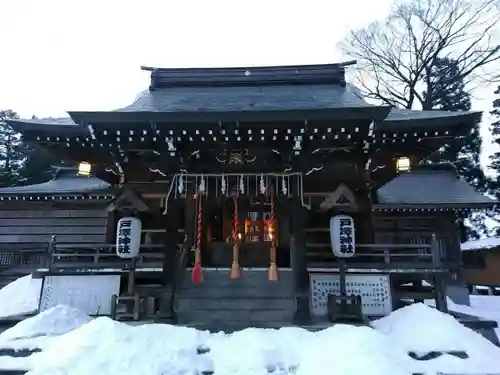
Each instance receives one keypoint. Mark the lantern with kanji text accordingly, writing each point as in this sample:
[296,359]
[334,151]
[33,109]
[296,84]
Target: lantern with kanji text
[128,237]
[342,236]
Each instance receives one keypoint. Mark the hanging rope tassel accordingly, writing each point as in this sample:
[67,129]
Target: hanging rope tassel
[197,275]
[235,266]
[273,269]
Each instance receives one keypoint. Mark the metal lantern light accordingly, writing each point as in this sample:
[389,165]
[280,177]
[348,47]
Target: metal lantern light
[403,164]
[84,168]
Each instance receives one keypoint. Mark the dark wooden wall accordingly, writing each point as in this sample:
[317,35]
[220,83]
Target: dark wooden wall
[35,222]
[489,274]
[418,228]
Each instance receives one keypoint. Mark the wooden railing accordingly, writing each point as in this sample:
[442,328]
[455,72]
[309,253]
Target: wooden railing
[22,258]
[100,256]
[368,255]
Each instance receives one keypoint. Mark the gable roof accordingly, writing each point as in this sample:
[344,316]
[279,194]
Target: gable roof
[247,98]
[245,93]
[430,186]
[66,183]
[280,93]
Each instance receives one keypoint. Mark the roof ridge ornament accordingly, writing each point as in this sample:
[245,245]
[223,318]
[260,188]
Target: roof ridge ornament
[333,73]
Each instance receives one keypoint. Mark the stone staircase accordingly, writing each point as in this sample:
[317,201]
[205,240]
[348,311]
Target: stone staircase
[219,303]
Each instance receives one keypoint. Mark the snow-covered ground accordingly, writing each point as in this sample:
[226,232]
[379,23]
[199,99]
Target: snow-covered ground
[486,307]
[72,343]
[104,347]
[20,297]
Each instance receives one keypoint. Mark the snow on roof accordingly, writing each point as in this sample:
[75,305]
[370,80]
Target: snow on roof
[105,347]
[23,296]
[484,243]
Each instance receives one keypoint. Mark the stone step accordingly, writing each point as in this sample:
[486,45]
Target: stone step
[242,303]
[239,316]
[230,292]
[251,300]
[250,285]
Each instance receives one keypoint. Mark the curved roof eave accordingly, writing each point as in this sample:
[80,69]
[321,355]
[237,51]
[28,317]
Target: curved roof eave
[63,186]
[63,126]
[426,118]
[431,186]
[111,118]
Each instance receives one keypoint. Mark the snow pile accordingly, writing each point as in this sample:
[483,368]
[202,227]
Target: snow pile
[421,329]
[352,350]
[484,243]
[105,347]
[55,321]
[486,303]
[20,297]
[484,307]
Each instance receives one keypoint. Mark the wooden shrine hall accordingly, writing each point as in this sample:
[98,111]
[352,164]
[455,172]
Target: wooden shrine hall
[257,196]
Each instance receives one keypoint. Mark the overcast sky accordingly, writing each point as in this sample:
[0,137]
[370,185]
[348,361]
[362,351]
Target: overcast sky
[59,55]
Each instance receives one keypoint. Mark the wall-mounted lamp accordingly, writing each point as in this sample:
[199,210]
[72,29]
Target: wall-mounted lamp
[84,168]
[403,164]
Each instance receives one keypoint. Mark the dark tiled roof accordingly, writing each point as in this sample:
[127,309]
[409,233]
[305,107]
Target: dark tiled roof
[431,185]
[247,98]
[63,126]
[65,183]
[281,88]
[398,117]
[254,93]
[62,121]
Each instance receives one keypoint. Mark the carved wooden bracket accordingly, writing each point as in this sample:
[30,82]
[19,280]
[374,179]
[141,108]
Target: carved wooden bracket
[342,198]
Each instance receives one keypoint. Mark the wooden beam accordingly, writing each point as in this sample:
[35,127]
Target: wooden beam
[299,262]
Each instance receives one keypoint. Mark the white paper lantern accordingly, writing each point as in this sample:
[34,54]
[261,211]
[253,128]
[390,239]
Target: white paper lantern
[128,237]
[342,235]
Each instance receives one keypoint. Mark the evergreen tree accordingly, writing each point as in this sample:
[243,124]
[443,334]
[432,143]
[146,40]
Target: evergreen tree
[494,183]
[38,165]
[11,153]
[449,94]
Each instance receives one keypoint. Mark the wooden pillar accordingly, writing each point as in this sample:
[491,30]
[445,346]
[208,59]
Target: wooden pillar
[283,231]
[111,227]
[171,222]
[174,262]
[438,279]
[170,261]
[299,263]
[369,231]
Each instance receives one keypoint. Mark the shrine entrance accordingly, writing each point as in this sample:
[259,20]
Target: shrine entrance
[238,221]
[256,234]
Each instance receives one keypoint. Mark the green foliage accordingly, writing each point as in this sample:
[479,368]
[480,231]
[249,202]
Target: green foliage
[11,151]
[22,163]
[449,94]
[494,183]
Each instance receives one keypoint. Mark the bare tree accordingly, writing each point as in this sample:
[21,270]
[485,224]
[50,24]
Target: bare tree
[396,55]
